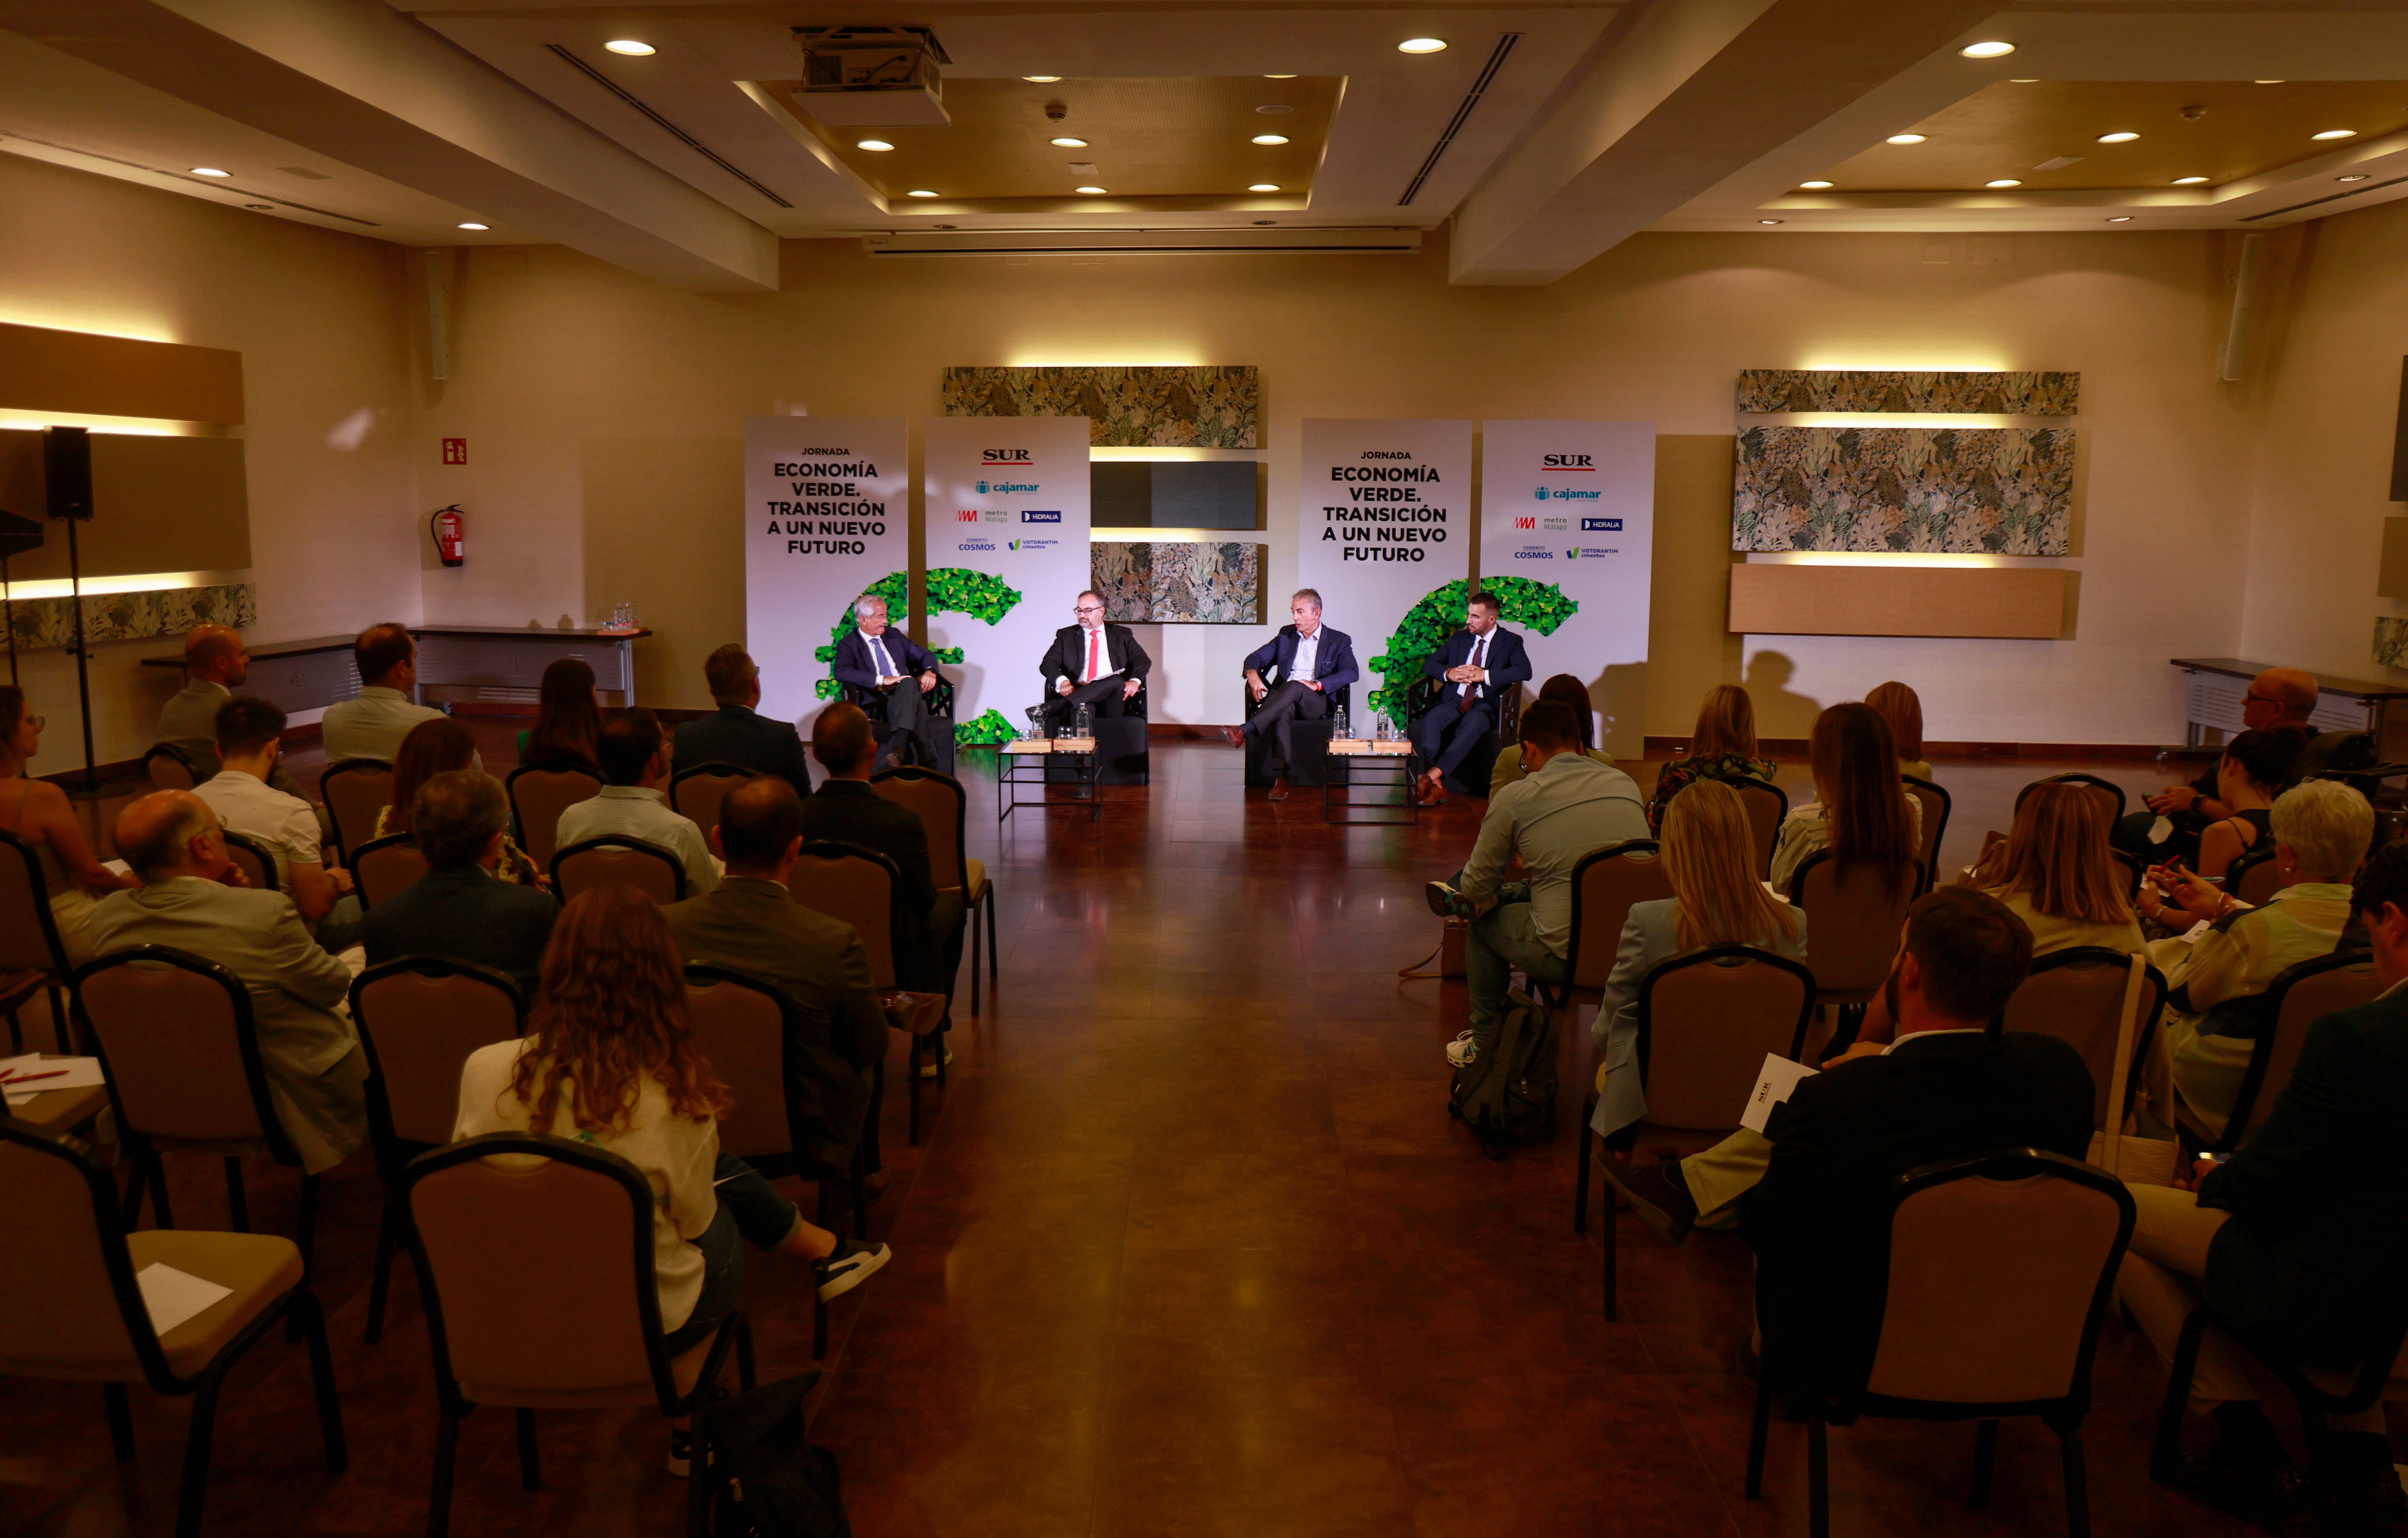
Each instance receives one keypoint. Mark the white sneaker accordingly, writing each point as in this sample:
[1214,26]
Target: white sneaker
[928,1068]
[1463,1051]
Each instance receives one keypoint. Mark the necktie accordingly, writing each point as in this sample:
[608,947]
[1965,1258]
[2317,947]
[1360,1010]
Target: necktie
[885,663]
[1479,659]
[1092,637]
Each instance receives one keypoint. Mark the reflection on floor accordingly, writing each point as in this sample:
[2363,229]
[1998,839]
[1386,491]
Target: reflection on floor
[1191,1247]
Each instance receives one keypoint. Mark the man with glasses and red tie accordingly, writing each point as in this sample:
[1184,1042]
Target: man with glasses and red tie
[1478,662]
[1093,664]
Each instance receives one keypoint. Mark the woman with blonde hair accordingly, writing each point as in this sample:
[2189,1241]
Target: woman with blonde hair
[2057,873]
[1709,854]
[1722,746]
[1860,812]
[1904,710]
[610,1058]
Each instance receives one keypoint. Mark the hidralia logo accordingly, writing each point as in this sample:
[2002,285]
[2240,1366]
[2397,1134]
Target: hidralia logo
[968,515]
[1526,523]
[1029,517]
[1006,488]
[1562,494]
[1600,525]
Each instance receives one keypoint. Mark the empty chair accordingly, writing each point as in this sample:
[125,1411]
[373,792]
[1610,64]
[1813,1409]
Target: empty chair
[694,793]
[177,1044]
[386,865]
[1605,884]
[71,1309]
[860,887]
[2023,1241]
[1934,800]
[1706,1021]
[32,958]
[2077,996]
[419,1017]
[535,1259]
[354,791]
[258,867]
[1853,916]
[943,809]
[2107,790]
[537,797]
[2299,996]
[614,861]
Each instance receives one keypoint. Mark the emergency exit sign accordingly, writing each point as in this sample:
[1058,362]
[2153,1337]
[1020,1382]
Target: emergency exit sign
[455,451]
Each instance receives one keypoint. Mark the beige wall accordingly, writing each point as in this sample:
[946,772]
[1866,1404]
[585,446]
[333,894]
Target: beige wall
[318,318]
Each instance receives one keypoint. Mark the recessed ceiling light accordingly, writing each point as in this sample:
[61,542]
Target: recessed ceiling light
[1068,143]
[875,144]
[1768,221]
[1422,45]
[1273,110]
[1279,77]
[2119,219]
[210,170]
[2189,180]
[1986,51]
[1270,139]
[2121,136]
[1090,191]
[629,47]
[1263,187]
[2336,134]
[2359,175]
[2023,79]
[919,192]
[472,224]
[1814,186]
[2003,181]
[2268,82]
[1906,138]
[1041,79]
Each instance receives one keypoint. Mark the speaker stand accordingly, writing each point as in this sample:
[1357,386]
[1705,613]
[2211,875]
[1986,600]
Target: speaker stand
[82,656]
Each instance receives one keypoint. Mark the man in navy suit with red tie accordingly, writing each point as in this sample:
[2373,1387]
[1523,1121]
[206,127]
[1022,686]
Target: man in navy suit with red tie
[1313,662]
[1478,662]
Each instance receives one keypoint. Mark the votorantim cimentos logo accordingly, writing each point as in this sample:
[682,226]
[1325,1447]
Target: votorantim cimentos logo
[1391,512]
[828,514]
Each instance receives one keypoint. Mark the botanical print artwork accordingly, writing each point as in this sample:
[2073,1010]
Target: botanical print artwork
[2004,491]
[133,616]
[2391,642]
[1203,407]
[1875,390]
[1162,583]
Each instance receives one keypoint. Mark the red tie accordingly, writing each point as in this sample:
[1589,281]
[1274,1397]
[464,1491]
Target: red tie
[1470,691]
[1092,636]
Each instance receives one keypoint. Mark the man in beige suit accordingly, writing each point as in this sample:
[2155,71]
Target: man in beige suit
[315,1066]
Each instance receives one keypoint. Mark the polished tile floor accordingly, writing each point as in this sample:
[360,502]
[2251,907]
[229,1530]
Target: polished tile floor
[1191,1247]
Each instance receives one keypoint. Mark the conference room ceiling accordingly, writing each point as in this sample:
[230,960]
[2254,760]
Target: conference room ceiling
[1542,135]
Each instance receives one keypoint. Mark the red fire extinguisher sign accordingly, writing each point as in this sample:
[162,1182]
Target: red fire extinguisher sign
[449,531]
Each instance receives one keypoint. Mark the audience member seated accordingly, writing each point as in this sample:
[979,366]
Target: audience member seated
[928,942]
[1810,1193]
[610,1058]
[1709,854]
[251,743]
[188,900]
[2300,1238]
[736,733]
[373,724]
[876,656]
[1860,812]
[567,721]
[439,747]
[2057,873]
[2321,831]
[1904,710]
[2279,696]
[1571,693]
[753,925]
[632,805]
[459,821]
[39,812]
[1565,806]
[1722,746]
[2252,772]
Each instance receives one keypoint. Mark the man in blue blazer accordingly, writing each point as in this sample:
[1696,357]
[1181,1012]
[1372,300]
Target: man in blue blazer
[1312,662]
[875,656]
[1478,662]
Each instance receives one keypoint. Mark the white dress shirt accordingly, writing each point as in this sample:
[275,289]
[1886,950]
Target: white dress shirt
[1094,644]
[642,812]
[1308,653]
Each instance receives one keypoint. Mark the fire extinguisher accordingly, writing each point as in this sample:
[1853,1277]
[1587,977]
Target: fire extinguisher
[450,530]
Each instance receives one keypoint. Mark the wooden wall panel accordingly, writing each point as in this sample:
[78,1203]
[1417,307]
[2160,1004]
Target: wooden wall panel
[158,504]
[2025,603]
[76,373]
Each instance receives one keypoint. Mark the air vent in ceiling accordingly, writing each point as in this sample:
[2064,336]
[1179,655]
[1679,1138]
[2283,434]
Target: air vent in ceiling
[1496,58]
[705,150]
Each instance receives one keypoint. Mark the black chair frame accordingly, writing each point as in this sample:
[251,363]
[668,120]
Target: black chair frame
[1939,835]
[393,1152]
[2261,1053]
[298,1309]
[389,841]
[961,846]
[1562,998]
[147,1164]
[2076,778]
[618,841]
[714,769]
[256,850]
[733,1330]
[873,705]
[54,981]
[1843,1404]
[835,849]
[1710,955]
[1422,694]
[344,838]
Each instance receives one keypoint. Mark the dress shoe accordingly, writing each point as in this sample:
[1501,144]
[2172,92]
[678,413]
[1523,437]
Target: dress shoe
[1656,1192]
[1233,736]
[1279,787]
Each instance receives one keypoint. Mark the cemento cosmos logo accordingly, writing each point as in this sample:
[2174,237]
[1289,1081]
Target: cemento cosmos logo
[978,543]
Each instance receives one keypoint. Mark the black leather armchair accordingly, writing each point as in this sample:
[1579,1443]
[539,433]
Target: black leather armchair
[940,714]
[1313,765]
[1423,693]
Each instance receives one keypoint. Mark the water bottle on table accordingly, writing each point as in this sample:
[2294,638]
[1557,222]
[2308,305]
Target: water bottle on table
[1083,725]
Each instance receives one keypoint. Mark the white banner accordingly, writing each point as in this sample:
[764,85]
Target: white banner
[1567,531]
[827,517]
[1384,526]
[1006,506]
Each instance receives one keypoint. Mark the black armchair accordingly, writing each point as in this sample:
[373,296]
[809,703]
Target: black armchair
[1313,765]
[940,714]
[1423,693]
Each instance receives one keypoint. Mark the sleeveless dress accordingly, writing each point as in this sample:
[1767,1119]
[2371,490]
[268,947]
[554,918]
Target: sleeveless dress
[70,905]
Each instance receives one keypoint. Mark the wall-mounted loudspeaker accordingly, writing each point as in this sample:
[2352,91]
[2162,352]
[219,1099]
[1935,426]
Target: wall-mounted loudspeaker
[66,472]
[2247,278]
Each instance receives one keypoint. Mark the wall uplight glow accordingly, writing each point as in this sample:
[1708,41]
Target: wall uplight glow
[1891,419]
[12,421]
[1910,365]
[131,331]
[146,581]
[1872,557]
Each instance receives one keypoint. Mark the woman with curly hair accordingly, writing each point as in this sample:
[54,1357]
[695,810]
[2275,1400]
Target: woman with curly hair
[610,1058]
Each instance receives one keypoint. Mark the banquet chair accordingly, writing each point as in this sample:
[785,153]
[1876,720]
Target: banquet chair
[694,793]
[384,868]
[2251,876]
[2077,996]
[167,768]
[615,860]
[1768,808]
[32,960]
[1605,884]
[1852,919]
[537,797]
[2106,790]
[861,887]
[258,867]
[2300,995]
[354,791]
[1934,800]
[943,807]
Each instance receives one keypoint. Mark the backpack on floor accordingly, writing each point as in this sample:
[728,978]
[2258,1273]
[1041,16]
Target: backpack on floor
[772,1482]
[1507,1094]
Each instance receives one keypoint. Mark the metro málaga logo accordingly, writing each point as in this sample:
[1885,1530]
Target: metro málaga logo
[1526,523]
[968,515]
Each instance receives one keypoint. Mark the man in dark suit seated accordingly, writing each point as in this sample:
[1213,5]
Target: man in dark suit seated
[928,940]
[1811,1192]
[751,925]
[1093,664]
[459,910]
[875,656]
[2300,1238]
[1479,663]
[1313,662]
[735,733]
